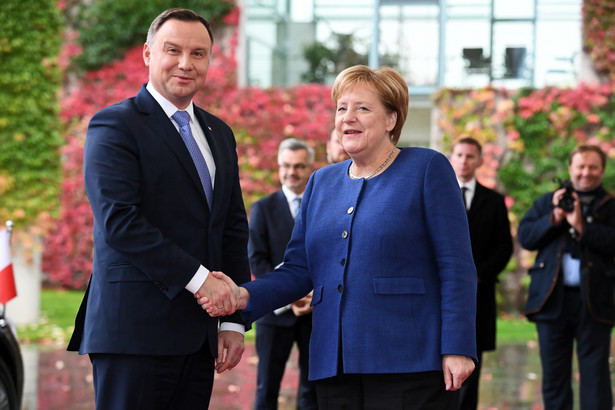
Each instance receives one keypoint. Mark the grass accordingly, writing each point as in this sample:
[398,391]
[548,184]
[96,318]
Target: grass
[58,310]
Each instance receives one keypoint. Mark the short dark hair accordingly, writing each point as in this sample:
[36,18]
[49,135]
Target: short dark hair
[469,140]
[175,14]
[581,149]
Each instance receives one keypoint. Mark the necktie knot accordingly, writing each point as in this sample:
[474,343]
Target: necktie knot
[182,118]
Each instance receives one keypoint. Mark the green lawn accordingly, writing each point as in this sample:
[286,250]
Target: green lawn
[58,310]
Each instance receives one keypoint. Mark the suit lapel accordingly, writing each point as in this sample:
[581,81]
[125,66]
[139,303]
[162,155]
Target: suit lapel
[284,209]
[214,146]
[160,126]
[477,201]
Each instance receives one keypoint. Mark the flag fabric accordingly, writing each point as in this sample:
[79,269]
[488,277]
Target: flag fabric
[7,281]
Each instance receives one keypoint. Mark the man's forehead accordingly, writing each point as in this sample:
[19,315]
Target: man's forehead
[586,157]
[174,30]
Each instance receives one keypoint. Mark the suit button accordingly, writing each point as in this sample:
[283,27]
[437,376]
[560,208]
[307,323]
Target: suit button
[340,288]
[345,234]
[541,265]
[160,286]
[350,210]
[343,262]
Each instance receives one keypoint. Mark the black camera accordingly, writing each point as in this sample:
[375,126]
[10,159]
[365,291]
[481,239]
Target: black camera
[567,200]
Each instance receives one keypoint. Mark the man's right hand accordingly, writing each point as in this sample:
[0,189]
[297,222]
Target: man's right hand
[240,294]
[218,291]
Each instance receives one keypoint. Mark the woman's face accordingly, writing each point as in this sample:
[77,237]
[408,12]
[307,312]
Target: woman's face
[362,121]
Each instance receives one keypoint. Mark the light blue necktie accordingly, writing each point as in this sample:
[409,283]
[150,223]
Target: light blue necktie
[296,206]
[182,118]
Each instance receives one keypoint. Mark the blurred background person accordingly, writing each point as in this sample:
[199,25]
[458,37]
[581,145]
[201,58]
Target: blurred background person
[384,242]
[271,223]
[335,151]
[573,282]
[492,247]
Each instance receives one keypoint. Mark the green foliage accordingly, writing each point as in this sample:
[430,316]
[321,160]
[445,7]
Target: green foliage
[109,27]
[550,123]
[530,173]
[29,122]
[326,62]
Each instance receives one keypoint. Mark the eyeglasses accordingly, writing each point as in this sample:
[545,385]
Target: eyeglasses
[295,167]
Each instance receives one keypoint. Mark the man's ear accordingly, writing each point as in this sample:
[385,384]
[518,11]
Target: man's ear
[146,54]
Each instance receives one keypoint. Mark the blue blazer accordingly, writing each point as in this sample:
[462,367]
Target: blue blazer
[391,266]
[152,230]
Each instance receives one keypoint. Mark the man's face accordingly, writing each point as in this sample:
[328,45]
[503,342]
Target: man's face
[335,151]
[465,159]
[295,169]
[178,60]
[586,171]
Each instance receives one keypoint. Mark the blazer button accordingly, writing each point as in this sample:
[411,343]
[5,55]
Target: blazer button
[350,210]
[343,261]
[340,288]
[541,265]
[345,234]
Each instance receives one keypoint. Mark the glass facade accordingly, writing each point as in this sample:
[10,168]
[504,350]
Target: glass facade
[433,43]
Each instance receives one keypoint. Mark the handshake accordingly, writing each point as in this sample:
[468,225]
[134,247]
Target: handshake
[220,296]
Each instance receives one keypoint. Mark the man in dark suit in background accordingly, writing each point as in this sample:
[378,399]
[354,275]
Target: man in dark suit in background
[162,178]
[271,224]
[491,247]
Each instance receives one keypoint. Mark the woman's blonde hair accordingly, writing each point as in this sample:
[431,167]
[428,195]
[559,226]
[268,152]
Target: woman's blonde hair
[386,82]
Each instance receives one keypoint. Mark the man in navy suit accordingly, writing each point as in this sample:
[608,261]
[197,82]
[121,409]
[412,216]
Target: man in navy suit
[162,178]
[271,224]
[491,248]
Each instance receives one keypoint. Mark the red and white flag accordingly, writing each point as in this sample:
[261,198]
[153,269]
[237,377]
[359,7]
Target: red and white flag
[7,280]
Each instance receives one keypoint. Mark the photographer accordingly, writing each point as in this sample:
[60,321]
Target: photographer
[572,289]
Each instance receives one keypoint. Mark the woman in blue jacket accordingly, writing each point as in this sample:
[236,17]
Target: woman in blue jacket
[383,241]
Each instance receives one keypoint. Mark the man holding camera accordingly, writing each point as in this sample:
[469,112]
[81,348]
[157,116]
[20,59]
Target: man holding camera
[572,290]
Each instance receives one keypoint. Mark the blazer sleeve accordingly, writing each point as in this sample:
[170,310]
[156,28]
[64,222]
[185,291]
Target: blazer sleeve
[450,236]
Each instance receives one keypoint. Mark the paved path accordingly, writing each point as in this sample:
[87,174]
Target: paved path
[62,380]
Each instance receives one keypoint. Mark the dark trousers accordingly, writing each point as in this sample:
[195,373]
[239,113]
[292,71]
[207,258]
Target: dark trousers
[556,340]
[397,391]
[131,382]
[468,395]
[273,346]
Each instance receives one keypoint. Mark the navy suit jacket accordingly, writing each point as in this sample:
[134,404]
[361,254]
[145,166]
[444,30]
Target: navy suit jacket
[492,246]
[271,225]
[390,262]
[152,230]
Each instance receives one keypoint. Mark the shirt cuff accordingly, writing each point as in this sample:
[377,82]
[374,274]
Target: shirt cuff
[233,327]
[197,280]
